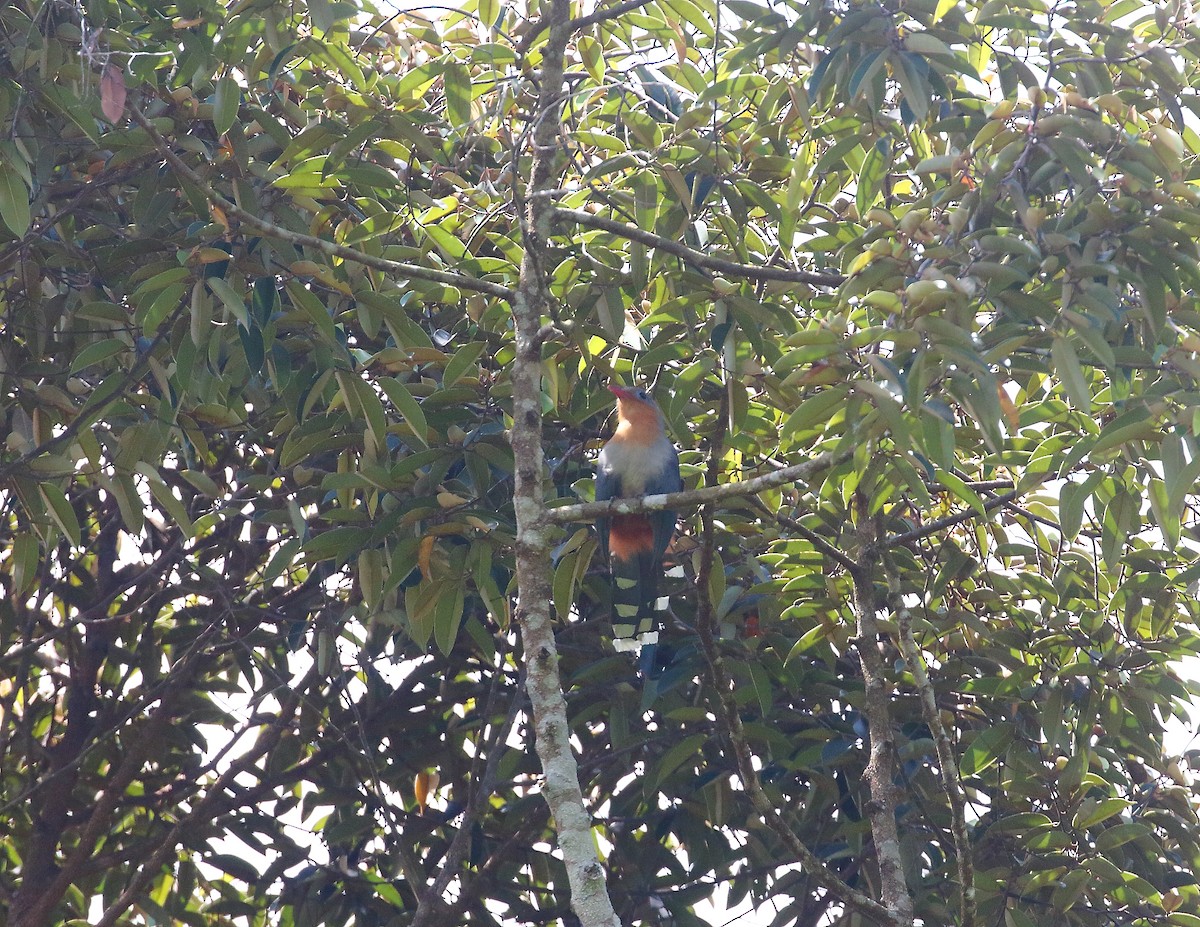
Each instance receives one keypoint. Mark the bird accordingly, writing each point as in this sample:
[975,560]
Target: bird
[639,460]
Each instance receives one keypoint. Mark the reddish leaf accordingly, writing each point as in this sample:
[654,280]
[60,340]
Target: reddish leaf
[112,93]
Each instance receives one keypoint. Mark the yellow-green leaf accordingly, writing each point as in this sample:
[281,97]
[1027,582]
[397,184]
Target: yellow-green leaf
[60,511]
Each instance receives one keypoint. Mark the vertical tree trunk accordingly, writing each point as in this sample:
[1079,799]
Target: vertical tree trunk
[589,895]
[881,768]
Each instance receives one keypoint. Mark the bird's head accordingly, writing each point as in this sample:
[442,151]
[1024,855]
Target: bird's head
[631,394]
[636,407]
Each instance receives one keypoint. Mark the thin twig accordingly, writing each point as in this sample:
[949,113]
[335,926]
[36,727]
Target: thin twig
[822,545]
[699,258]
[432,901]
[948,521]
[582,22]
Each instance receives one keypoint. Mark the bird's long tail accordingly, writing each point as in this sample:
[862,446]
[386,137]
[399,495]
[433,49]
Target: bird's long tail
[635,570]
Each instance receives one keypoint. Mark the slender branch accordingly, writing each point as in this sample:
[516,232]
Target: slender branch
[231,209]
[948,521]
[699,258]
[607,13]
[582,22]
[530,304]
[881,768]
[42,906]
[690,498]
[822,545]
[947,763]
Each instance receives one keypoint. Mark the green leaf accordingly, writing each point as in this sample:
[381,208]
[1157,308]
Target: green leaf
[870,178]
[449,614]
[14,201]
[167,301]
[407,405]
[23,563]
[265,299]
[1092,812]
[867,67]
[281,560]
[943,7]
[310,304]
[322,14]
[716,580]
[234,866]
[1167,518]
[563,586]
[915,87]
[961,490]
[591,53]
[1022,823]
[420,604]
[986,749]
[1070,373]
[129,502]
[226,100]
[233,302]
[813,412]
[926,43]
[61,512]
[1070,889]
[457,82]
[363,401]
[692,14]
[169,502]
[337,544]
[685,750]
[98,351]
[489,13]
[1071,501]
[1119,834]
[463,361]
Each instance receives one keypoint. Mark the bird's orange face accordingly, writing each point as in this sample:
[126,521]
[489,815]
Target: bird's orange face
[635,409]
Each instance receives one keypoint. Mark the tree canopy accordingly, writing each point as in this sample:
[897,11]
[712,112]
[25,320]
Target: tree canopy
[306,314]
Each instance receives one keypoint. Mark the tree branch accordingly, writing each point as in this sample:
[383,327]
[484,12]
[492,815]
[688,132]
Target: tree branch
[582,22]
[947,763]
[822,545]
[606,13]
[231,209]
[124,380]
[948,521]
[38,909]
[699,258]
[431,903]
[690,498]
